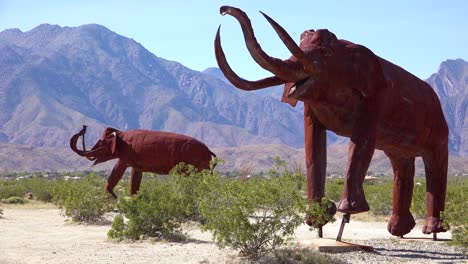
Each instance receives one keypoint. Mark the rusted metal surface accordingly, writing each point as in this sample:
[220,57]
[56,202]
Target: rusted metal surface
[349,90]
[143,151]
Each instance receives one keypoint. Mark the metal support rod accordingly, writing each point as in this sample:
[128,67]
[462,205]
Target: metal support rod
[346,218]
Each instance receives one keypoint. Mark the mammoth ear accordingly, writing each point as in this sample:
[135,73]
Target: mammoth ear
[114,142]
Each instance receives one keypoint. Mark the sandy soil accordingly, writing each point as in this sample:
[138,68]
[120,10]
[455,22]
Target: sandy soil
[31,235]
[43,236]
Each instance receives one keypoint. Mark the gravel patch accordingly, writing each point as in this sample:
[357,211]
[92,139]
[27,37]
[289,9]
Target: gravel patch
[404,251]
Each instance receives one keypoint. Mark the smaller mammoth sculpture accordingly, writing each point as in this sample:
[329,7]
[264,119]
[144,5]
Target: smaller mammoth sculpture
[144,151]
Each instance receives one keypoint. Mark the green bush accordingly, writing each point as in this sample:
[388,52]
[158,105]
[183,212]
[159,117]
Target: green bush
[14,200]
[12,188]
[155,212]
[379,197]
[83,200]
[253,216]
[455,214]
[42,189]
[186,180]
[321,212]
[333,189]
[418,203]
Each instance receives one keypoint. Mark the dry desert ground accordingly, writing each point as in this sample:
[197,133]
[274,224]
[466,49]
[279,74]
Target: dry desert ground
[43,235]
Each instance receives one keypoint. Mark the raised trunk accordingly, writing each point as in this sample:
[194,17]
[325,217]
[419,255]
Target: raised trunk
[74,141]
[285,70]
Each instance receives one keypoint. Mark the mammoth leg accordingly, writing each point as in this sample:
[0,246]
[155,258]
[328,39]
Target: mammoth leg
[435,165]
[361,149]
[135,181]
[402,220]
[114,178]
[316,158]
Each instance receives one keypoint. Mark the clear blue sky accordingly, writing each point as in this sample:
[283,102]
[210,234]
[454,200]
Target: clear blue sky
[417,35]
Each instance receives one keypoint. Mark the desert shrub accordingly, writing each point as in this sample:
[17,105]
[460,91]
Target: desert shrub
[418,203]
[319,211]
[12,188]
[83,200]
[155,212]
[379,196]
[455,214]
[42,189]
[186,180]
[14,200]
[333,189]
[253,216]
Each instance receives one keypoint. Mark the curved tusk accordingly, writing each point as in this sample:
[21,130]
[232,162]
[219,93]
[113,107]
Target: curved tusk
[285,70]
[290,44]
[234,78]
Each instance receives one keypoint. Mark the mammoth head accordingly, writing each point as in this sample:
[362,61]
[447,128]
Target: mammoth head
[304,70]
[105,149]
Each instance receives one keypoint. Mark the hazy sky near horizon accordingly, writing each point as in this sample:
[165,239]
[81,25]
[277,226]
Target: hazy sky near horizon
[417,35]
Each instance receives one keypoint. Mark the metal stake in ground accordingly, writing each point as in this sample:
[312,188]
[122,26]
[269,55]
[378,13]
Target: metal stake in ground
[346,218]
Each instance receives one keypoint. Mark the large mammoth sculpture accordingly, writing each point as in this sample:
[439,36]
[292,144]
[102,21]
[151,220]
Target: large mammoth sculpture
[351,91]
[144,151]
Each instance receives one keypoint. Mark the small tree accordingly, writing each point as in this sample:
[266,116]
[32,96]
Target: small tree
[83,200]
[155,212]
[253,216]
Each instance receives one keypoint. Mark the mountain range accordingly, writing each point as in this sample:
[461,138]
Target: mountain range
[55,79]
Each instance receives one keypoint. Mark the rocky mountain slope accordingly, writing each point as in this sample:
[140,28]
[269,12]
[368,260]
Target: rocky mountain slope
[451,84]
[55,79]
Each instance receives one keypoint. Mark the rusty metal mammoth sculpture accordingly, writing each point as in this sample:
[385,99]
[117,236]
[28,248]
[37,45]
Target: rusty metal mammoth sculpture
[351,91]
[143,151]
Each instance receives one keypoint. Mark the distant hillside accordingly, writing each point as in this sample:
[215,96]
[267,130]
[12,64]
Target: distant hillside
[249,158]
[55,79]
[451,84]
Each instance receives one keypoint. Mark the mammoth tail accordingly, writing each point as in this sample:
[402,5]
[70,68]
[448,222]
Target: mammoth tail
[215,161]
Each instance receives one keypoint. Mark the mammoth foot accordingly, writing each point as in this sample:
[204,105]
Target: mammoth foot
[350,206]
[401,225]
[111,192]
[433,225]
